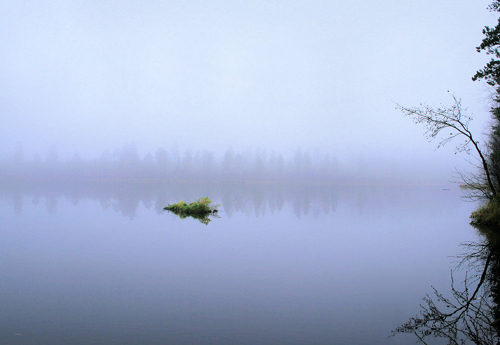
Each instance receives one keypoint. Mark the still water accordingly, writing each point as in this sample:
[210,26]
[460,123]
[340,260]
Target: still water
[102,263]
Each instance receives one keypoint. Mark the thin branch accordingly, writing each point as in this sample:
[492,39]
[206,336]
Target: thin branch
[454,119]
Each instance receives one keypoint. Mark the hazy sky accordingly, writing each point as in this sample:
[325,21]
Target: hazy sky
[90,76]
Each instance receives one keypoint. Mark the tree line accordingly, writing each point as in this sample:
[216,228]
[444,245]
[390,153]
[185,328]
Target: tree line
[252,165]
[173,165]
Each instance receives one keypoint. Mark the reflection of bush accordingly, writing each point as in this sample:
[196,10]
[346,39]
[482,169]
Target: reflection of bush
[200,209]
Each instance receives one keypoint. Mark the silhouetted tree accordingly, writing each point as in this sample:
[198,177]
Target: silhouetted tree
[454,122]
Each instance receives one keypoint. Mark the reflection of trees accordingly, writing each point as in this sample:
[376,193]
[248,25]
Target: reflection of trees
[252,199]
[471,315]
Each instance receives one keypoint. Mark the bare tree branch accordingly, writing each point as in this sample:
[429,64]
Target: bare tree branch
[455,122]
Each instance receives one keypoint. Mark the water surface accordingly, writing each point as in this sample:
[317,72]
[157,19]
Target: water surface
[102,263]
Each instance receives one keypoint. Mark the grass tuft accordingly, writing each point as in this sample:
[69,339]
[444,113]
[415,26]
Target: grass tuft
[487,215]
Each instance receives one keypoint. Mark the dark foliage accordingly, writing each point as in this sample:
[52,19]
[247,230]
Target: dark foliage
[490,44]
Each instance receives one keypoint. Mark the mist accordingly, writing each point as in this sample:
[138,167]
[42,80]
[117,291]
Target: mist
[332,214]
[92,77]
[258,166]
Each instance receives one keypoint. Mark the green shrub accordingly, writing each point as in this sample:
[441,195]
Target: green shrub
[487,215]
[200,209]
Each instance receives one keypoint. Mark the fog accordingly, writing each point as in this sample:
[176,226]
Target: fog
[335,215]
[90,78]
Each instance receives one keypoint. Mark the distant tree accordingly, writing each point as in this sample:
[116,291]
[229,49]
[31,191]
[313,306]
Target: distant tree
[241,166]
[76,167]
[280,167]
[17,169]
[276,167]
[175,162]
[147,166]
[104,167]
[52,164]
[162,162]
[187,165]
[128,161]
[227,165]
[259,164]
[302,163]
[208,166]
[329,167]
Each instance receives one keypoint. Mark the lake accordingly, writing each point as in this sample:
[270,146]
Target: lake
[102,263]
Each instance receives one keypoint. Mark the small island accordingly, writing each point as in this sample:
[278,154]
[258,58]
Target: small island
[201,209]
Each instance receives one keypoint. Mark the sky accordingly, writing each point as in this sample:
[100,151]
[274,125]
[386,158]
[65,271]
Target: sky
[92,76]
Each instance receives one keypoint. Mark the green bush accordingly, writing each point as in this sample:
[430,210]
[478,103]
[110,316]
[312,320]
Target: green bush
[487,215]
[200,209]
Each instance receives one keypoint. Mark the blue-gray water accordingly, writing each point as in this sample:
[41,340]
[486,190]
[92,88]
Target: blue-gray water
[101,263]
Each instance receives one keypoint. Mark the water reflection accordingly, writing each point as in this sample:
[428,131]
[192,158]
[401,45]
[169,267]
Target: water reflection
[256,200]
[470,311]
[295,276]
